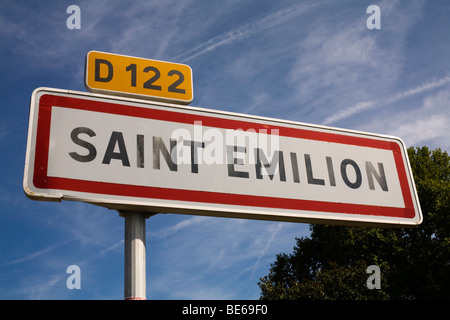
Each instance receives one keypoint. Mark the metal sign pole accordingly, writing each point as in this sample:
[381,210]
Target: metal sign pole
[135,270]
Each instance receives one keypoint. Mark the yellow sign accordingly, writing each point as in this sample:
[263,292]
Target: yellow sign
[137,77]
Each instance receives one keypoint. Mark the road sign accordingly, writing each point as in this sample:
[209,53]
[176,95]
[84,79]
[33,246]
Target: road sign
[129,154]
[139,78]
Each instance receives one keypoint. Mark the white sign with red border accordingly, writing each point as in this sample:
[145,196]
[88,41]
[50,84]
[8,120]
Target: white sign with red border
[132,154]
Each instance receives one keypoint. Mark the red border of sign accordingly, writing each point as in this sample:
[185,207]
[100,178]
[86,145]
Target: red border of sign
[43,181]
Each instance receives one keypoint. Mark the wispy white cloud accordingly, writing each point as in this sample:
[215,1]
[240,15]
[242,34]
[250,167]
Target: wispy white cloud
[215,258]
[33,255]
[368,105]
[420,89]
[40,38]
[112,247]
[426,123]
[87,224]
[42,288]
[246,30]
[350,111]
[423,120]
[342,65]
[166,232]
[273,232]
[342,68]
[423,130]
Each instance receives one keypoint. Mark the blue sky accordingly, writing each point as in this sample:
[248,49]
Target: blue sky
[308,61]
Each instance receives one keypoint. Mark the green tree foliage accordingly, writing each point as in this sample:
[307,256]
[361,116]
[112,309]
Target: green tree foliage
[414,262]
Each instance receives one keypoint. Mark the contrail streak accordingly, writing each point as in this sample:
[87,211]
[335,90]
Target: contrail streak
[245,30]
[368,105]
